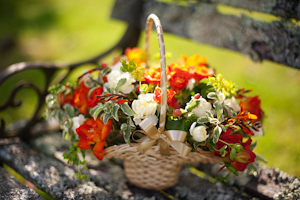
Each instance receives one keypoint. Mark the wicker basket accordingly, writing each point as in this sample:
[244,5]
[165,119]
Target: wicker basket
[151,170]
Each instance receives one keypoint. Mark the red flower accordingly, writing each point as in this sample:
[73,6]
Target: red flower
[228,138]
[252,105]
[242,158]
[152,75]
[178,79]
[200,72]
[94,100]
[93,134]
[80,98]
[64,98]
[171,100]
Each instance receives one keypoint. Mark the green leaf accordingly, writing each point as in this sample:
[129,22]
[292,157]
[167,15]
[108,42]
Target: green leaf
[205,90]
[69,110]
[223,128]
[126,109]
[96,110]
[121,82]
[193,104]
[127,133]
[115,112]
[196,144]
[175,125]
[203,120]
[260,158]
[60,116]
[219,111]
[212,146]
[216,134]
[222,151]
[238,147]
[124,126]
[212,95]
[231,168]
[108,89]
[131,124]
[209,114]
[106,117]
[253,145]
[232,153]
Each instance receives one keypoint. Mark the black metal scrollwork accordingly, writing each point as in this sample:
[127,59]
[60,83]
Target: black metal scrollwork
[129,39]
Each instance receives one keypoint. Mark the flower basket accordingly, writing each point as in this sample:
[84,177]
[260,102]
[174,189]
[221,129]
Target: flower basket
[212,128]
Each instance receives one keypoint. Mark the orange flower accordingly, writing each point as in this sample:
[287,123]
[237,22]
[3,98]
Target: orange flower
[197,66]
[252,105]
[152,75]
[194,60]
[171,100]
[94,100]
[137,55]
[80,98]
[244,115]
[201,72]
[93,134]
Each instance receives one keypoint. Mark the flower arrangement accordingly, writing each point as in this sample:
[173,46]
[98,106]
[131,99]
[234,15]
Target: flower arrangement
[157,116]
[110,105]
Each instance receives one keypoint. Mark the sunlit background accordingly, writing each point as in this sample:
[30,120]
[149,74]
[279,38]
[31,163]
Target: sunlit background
[70,31]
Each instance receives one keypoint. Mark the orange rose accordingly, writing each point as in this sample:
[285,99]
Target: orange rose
[178,80]
[170,96]
[152,75]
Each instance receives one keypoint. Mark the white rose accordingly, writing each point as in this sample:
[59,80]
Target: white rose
[233,103]
[203,106]
[143,107]
[146,97]
[199,133]
[77,121]
[113,78]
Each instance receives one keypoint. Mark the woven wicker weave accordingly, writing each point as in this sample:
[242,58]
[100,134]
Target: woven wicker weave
[151,170]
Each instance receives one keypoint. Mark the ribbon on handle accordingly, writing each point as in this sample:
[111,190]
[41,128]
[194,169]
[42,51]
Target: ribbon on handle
[164,140]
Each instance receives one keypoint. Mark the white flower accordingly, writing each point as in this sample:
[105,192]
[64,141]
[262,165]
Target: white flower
[199,133]
[144,107]
[221,96]
[259,130]
[233,103]
[203,106]
[116,67]
[77,121]
[190,84]
[115,75]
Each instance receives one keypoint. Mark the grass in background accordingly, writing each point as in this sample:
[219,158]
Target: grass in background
[79,31]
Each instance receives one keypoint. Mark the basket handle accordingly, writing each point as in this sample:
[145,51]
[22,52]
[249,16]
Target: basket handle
[163,77]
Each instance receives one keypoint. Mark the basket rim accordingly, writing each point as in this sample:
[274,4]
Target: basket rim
[125,152]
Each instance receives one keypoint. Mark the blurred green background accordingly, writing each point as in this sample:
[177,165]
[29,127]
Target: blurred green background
[70,31]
